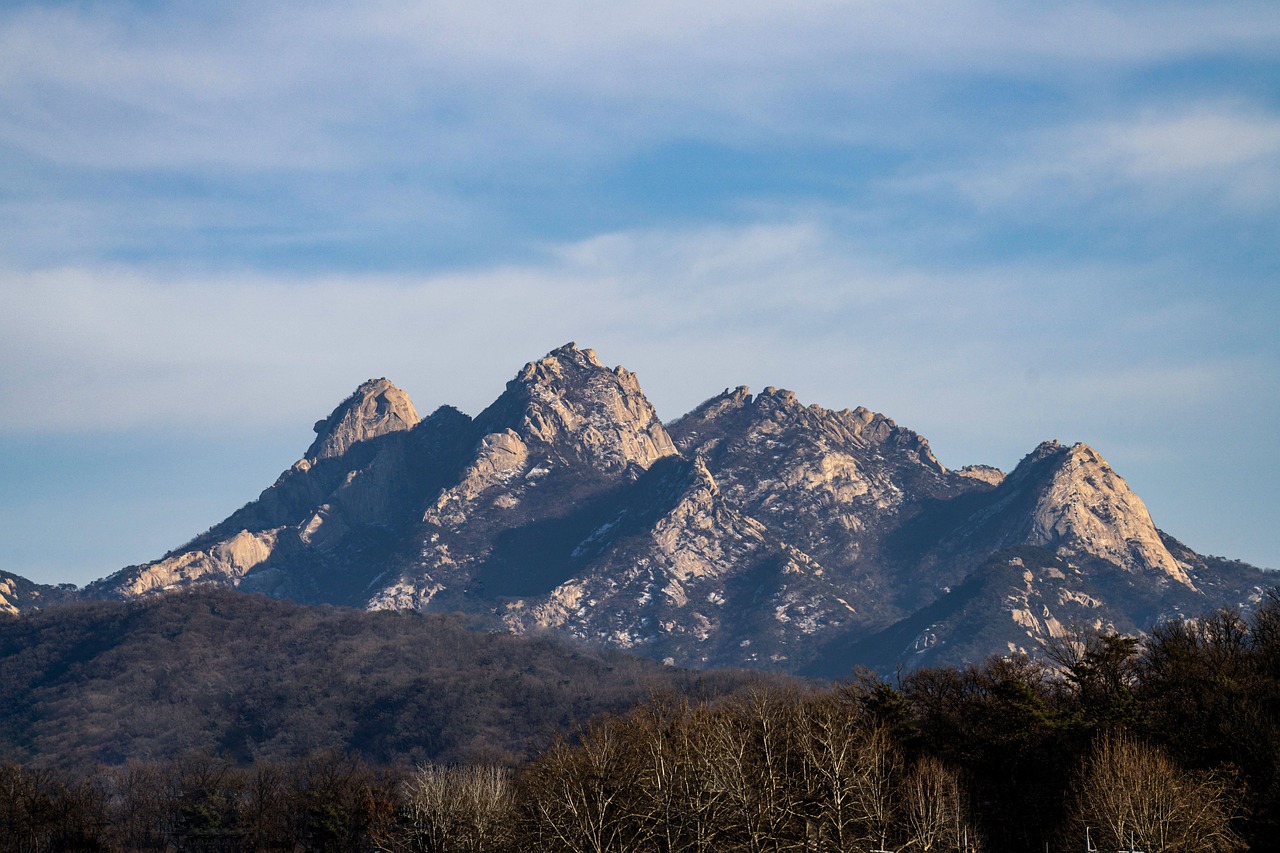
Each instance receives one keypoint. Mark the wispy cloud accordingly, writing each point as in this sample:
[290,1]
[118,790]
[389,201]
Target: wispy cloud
[1201,141]
[1227,154]
[789,304]
[238,133]
[286,86]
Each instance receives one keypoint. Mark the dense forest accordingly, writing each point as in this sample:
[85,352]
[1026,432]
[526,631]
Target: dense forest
[1172,744]
[251,678]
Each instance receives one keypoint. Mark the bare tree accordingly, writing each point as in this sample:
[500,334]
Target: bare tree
[43,812]
[136,804]
[578,798]
[456,810]
[679,808]
[265,807]
[934,810]
[1127,790]
[850,769]
[754,763]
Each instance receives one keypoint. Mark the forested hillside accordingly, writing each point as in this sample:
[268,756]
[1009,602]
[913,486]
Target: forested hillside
[247,677]
[1171,746]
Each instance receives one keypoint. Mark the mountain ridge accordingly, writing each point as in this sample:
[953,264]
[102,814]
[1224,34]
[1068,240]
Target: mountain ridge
[752,531]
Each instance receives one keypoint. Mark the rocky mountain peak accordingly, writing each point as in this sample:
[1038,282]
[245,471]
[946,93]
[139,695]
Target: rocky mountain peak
[1045,450]
[1083,506]
[571,352]
[375,408]
[755,530]
[722,406]
[780,398]
[568,401]
[562,363]
[752,436]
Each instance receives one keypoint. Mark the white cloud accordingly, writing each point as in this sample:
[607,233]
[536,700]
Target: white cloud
[1226,153]
[789,304]
[1200,141]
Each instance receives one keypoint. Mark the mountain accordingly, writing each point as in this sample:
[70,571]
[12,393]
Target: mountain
[754,530]
[565,441]
[1059,545]
[322,531]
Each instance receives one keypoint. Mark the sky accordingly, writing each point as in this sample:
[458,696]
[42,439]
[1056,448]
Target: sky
[997,223]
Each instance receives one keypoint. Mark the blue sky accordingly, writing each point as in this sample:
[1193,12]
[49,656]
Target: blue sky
[997,223]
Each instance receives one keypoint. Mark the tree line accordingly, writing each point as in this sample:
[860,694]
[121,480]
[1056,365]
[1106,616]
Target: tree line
[1172,744]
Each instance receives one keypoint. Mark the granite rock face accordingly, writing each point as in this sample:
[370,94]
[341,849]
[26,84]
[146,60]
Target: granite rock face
[832,484]
[19,595]
[1084,508]
[754,531]
[375,408]
[329,520]
[580,411]
[1060,545]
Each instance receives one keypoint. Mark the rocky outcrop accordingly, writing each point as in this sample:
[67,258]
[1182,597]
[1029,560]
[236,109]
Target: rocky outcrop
[832,484]
[576,409]
[681,575]
[1017,602]
[567,433]
[9,595]
[226,561]
[1084,508]
[375,408]
[1066,500]
[983,473]
[312,533]
[19,595]
[828,457]
[653,572]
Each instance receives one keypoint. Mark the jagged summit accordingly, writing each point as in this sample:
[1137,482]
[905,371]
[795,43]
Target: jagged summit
[375,408]
[567,432]
[571,353]
[776,413]
[1083,505]
[571,404]
[755,530]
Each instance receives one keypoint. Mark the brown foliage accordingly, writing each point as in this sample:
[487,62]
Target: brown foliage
[769,771]
[1130,794]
